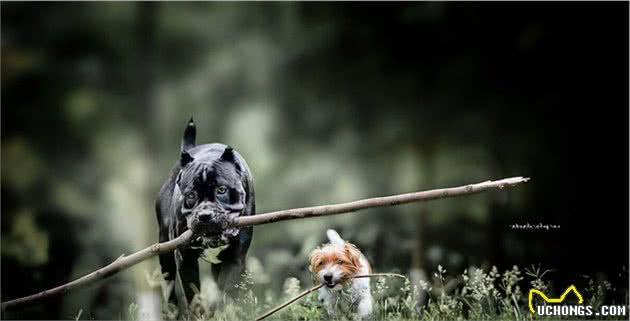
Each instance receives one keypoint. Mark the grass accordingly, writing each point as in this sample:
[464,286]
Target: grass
[476,294]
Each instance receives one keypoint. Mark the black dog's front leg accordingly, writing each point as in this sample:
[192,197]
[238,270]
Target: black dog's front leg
[188,276]
[227,274]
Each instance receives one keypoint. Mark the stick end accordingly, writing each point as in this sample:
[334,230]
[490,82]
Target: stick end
[516,180]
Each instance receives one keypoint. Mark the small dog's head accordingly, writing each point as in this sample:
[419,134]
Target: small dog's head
[212,191]
[334,264]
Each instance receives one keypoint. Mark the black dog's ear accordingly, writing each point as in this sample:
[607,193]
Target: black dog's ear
[185,158]
[228,156]
[188,141]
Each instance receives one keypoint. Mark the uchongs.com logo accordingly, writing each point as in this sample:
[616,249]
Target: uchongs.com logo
[558,309]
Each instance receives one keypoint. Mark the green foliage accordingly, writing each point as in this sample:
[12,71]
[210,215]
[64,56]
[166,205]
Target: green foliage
[78,316]
[476,294]
[26,242]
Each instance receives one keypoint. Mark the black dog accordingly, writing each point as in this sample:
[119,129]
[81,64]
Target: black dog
[208,187]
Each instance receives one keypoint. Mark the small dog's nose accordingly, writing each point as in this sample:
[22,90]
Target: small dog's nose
[328,277]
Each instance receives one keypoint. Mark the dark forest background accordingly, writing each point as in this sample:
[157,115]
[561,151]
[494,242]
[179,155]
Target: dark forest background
[328,102]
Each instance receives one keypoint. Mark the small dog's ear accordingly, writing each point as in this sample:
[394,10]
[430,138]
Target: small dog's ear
[353,254]
[185,159]
[188,141]
[311,259]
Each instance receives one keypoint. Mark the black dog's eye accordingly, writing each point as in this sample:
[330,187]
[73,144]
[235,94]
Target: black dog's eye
[221,190]
[191,199]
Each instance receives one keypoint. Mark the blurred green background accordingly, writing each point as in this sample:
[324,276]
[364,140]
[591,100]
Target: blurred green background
[328,102]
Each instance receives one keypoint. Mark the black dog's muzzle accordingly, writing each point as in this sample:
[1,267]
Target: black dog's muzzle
[213,225]
[208,219]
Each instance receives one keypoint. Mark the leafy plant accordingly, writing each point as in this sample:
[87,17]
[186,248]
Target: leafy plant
[476,294]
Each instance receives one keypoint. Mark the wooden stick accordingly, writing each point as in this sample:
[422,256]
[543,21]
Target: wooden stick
[399,199]
[125,262]
[315,288]
[372,275]
[285,304]
[119,264]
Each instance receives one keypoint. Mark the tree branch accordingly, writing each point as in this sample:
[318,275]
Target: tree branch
[285,304]
[125,262]
[118,265]
[317,287]
[376,202]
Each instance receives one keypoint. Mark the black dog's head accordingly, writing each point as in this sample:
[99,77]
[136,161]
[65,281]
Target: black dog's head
[212,191]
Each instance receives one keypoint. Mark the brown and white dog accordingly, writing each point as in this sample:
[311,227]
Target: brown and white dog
[334,264]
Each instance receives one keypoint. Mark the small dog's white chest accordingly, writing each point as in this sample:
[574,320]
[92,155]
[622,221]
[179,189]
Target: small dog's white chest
[353,298]
[337,300]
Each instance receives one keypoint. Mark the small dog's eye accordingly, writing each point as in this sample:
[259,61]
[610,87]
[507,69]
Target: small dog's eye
[339,262]
[191,195]
[320,263]
[221,189]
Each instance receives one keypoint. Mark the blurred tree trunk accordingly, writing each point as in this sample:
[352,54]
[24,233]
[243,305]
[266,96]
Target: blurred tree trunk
[144,91]
[497,217]
[418,272]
